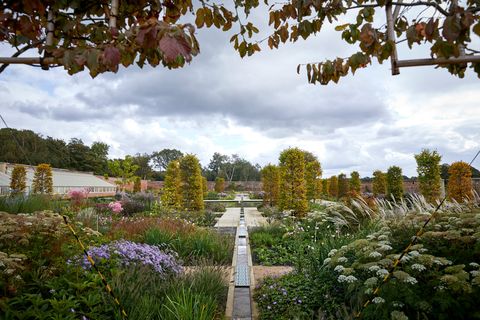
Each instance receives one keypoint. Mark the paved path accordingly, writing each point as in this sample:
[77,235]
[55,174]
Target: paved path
[231,218]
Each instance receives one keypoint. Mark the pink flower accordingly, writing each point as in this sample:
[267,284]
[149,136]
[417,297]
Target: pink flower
[116,206]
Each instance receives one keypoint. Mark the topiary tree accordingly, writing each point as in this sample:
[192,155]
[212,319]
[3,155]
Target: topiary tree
[191,183]
[219,184]
[428,169]
[355,184]
[460,181]
[204,185]
[18,180]
[394,183]
[172,193]
[333,187]
[42,180]
[343,185]
[293,192]
[270,184]
[313,173]
[325,186]
[379,183]
[137,184]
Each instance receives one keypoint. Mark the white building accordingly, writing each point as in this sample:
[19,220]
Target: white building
[63,181]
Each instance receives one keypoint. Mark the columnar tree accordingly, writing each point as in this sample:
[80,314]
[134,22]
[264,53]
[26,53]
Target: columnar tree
[313,173]
[191,179]
[172,192]
[428,169]
[42,180]
[325,186]
[219,184]
[379,183]
[394,183]
[343,187]
[333,186]
[355,184]
[137,184]
[460,181]
[204,185]
[271,184]
[18,180]
[293,192]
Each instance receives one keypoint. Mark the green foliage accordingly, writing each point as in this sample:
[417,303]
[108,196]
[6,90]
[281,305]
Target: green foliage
[394,183]
[219,184]
[428,168]
[215,207]
[191,183]
[325,187]
[343,186]
[193,245]
[313,174]
[379,183]
[460,181]
[204,186]
[271,184]
[124,170]
[333,187]
[355,184]
[162,158]
[18,180]
[137,184]
[31,203]
[171,191]
[42,180]
[293,193]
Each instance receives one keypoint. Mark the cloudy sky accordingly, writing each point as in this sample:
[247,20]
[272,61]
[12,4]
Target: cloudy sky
[256,107]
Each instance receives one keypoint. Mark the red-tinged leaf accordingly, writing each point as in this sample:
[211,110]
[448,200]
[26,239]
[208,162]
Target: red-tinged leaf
[114,32]
[173,47]
[451,29]
[111,56]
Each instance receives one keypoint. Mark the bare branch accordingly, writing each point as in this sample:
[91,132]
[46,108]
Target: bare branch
[20,52]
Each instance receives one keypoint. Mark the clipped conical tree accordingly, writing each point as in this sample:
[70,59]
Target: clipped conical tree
[355,184]
[460,181]
[137,184]
[379,183]
[42,180]
[271,184]
[343,186]
[313,173]
[191,179]
[172,193]
[219,184]
[428,169]
[394,183]
[293,192]
[18,180]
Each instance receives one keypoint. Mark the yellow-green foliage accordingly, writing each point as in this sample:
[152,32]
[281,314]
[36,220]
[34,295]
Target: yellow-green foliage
[172,195]
[325,186]
[191,179]
[293,192]
[271,184]
[204,185]
[18,181]
[394,183]
[355,184]
[313,173]
[333,186]
[343,187]
[460,181]
[42,180]
[428,168]
[219,184]
[137,184]
[379,184]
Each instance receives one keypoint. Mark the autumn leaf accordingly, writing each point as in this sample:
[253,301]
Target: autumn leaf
[173,47]
[451,29]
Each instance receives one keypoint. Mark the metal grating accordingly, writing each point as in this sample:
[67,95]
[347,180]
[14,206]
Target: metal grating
[242,276]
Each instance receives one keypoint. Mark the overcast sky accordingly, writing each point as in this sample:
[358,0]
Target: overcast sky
[256,107]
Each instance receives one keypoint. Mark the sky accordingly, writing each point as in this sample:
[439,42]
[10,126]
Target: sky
[256,107]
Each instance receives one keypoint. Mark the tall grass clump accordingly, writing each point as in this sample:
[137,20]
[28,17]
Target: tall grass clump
[30,203]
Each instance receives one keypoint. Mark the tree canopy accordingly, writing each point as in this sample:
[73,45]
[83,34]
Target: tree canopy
[101,35]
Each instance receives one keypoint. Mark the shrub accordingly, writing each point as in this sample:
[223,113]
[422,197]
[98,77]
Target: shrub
[215,207]
[219,184]
[171,192]
[77,198]
[460,181]
[333,187]
[343,186]
[313,173]
[31,203]
[355,184]
[137,184]
[191,183]
[379,183]
[293,192]
[271,184]
[212,195]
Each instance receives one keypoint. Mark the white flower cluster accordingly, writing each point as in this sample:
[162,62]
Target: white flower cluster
[475,273]
[418,267]
[348,279]
[384,247]
[332,252]
[474,264]
[410,280]
[339,268]
[375,254]
[342,259]
[383,237]
[373,268]
[397,304]
[327,260]
[378,300]
[382,272]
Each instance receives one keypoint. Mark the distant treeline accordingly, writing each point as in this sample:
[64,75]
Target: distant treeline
[76,155]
